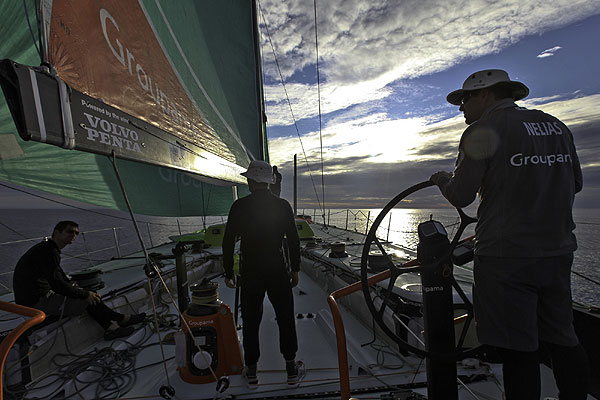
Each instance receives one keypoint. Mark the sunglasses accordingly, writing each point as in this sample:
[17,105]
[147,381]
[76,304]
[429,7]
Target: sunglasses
[468,95]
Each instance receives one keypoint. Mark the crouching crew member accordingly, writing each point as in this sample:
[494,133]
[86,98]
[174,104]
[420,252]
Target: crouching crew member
[40,282]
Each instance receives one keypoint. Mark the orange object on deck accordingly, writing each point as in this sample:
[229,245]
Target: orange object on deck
[37,317]
[340,334]
[216,336]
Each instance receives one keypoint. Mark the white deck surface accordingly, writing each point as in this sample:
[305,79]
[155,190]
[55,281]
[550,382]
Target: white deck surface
[373,366]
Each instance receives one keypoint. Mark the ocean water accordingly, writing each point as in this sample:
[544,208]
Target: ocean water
[402,226]
[102,230]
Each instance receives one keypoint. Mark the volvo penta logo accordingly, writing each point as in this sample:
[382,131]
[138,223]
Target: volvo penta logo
[110,133]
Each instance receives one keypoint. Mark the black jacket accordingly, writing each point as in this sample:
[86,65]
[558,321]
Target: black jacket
[261,220]
[525,167]
[38,271]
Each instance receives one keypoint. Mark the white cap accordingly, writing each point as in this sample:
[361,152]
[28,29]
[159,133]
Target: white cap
[487,78]
[259,171]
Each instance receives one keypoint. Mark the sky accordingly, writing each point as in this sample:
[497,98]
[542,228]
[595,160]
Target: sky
[385,68]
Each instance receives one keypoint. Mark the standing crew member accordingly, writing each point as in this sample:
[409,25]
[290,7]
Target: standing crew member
[40,282]
[275,187]
[262,220]
[525,167]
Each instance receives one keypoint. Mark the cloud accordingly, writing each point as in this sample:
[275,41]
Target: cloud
[364,46]
[304,99]
[367,186]
[376,136]
[549,52]
[369,160]
[572,111]
[582,116]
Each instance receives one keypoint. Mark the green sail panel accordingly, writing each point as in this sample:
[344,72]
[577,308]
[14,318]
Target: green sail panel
[220,71]
[227,101]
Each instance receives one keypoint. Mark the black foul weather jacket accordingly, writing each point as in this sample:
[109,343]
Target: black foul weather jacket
[525,167]
[39,271]
[261,220]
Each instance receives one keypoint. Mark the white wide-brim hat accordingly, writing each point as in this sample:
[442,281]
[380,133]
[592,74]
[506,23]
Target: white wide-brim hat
[487,78]
[259,171]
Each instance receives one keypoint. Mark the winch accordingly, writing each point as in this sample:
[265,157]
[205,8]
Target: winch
[207,346]
[88,279]
[338,250]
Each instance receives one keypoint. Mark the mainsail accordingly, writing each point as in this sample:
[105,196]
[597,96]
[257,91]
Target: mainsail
[171,89]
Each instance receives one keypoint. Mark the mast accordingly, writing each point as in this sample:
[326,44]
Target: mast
[295,185]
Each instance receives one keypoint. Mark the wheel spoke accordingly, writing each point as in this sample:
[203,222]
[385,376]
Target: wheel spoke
[464,330]
[467,306]
[388,292]
[393,276]
[370,292]
[380,246]
[462,294]
[389,260]
[465,221]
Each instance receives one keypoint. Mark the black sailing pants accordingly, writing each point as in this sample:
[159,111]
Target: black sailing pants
[59,305]
[521,372]
[277,287]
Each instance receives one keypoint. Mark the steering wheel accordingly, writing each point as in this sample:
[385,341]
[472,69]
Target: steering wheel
[413,266]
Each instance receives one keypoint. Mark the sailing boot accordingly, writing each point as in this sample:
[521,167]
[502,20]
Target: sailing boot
[129,320]
[120,332]
[251,376]
[295,371]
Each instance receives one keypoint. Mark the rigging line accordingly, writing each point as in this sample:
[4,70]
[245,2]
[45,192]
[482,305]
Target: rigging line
[203,206]
[12,230]
[207,201]
[180,313]
[178,144]
[40,22]
[31,30]
[113,159]
[320,116]
[156,270]
[156,326]
[585,277]
[87,251]
[289,105]
[148,260]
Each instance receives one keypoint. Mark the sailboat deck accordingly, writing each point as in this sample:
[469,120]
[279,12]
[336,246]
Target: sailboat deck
[316,349]
[375,367]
